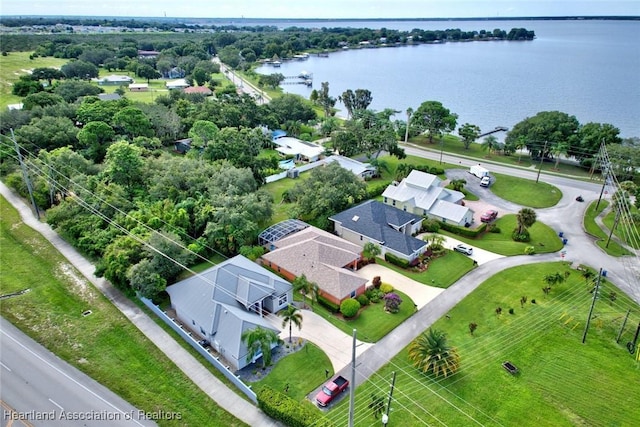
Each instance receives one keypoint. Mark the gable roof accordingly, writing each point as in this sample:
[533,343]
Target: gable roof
[381,223]
[293,146]
[356,167]
[198,89]
[320,256]
[421,190]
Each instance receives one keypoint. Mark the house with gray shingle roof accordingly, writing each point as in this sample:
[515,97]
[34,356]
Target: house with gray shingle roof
[389,228]
[222,302]
[323,258]
[423,194]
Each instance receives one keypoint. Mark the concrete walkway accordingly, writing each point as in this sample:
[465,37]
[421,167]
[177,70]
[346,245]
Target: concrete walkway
[191,367]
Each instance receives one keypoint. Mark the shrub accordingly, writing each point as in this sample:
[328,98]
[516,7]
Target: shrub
[349,307]
[396,261]
[520,237]
[434,170]
[283,408]
[430,225]
[329,305]
[529,250]
[463,231]
[386,288]
[377,190]
[362,299]
[494,229]
[392,302]
[372,295]
[511,311]
[376,282]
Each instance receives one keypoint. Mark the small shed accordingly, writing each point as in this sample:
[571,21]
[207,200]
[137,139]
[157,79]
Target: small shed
[139,87]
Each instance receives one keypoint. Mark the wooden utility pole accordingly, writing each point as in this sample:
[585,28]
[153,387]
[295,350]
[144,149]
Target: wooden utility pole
[624,323]
[541,160]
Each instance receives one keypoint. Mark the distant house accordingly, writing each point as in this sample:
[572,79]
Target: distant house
[108,96]
[359,169]
[222,302]
[202,90]
[183,145]
[139,87]
[177,84]
[114,79]
[323,258]
[423,194]
[300,150]
[389,228]
[148,53]
[176,73]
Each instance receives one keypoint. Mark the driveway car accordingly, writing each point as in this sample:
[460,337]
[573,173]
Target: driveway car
[489,216]
[467,250]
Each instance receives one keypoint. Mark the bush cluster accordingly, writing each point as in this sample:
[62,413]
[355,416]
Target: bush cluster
[283,408]
[386,288]
[363,299]
[349,307]
[329,305]
[374,295]
[377,190]
[430,225]
[521,237]
[463,231]
[389,257]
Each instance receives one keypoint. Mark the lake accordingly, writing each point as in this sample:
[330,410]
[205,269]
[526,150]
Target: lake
[586,68]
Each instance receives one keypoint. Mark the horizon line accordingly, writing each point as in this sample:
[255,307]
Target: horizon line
[332,19]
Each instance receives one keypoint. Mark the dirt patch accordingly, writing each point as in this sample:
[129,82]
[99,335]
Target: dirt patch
[78,283]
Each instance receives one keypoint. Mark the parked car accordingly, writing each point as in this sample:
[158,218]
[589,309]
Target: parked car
[467,250]
[485,181]
[489,216]
[331,389]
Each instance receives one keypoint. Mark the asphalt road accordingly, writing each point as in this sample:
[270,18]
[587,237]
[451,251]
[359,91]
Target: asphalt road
[39,389]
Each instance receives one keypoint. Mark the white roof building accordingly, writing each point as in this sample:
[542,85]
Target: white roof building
[301,150]
[177,84]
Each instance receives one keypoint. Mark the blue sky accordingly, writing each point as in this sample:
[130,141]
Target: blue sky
[322,8]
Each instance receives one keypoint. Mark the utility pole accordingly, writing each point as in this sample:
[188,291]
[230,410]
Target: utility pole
[352,386]
[25,175]
[541,159]
[615,224]
[593,303]
[623,325]
[385,417]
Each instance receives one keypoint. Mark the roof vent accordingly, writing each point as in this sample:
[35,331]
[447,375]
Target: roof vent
[355,218]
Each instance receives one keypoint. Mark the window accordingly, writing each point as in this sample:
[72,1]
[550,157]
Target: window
[278,269]
[361,237]
[424,212]
[385,200]
[404,208]
[282,299]
[394,203]
[353,294]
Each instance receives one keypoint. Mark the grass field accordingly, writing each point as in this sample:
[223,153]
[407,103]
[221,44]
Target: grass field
[104,345]
[442,272]
[16,64]
[561,382]
[525,192]
[590,225]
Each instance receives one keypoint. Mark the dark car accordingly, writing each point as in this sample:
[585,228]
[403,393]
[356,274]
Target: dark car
[489,216]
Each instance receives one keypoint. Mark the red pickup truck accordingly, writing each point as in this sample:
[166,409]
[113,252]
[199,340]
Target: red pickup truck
[331,389]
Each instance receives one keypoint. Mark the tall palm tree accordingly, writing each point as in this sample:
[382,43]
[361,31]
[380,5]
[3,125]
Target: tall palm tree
[292,316]
[431,353]
[558,150]
[490,144]
[259,340]
[303,285]
[458,184]
[406,131]
[526,217]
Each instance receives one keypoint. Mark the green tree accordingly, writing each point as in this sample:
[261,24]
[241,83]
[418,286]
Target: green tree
[124,164]
[545,129]
[458,184]
[72,90]
[490,144]
[80,70]
[146,71]
[132,122]
[41,99]
[431,353]
[120,254]
[433,117]
[469,134]
[26,86]
[94,139]
[201,133]
[590,137]
[326,101]
[47,133]
[291,107]
[259,341]
[525,218]
[291,316]
[144,280]
[370,251]
[408,125]
[558,150]
[46,73]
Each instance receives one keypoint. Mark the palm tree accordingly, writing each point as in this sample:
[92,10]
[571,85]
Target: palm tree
[376,405]
[458,184]
[490,144]
[292,316]
[370,251]
[406,131]
[431,353]
[303,285]
[437,241]
[526,217]
[259,340]
[558,150]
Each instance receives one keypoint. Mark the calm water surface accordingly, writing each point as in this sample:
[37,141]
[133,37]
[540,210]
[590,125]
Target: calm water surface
[589,69]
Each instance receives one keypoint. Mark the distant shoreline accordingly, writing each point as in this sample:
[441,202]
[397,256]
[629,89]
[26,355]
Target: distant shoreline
[240,20]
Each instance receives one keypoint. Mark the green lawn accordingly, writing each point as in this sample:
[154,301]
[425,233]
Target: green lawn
[525,192]
[562,382]
[16,64]
[592,228]
[442,272]
[104,345]
[626,232]
[372,323]
[543,238]
[303,371]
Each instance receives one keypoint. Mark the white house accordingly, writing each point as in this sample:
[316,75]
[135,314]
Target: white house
[177,84]
[423,194]
[300,150]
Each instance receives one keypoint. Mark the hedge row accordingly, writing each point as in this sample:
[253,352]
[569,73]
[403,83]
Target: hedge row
[329,305]
[389,257]
[463,231]
[283,408]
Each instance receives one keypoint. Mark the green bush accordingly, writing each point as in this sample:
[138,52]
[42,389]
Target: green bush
[463,231]
[389,257]
[363,299]
[430,225]
[377,190]
[529,250]
[283,408]
[386,288]
[522,237]
[349,307]
[329,305]
[494,229]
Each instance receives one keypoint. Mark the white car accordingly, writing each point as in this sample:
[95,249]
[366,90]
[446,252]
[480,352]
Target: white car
[485,181]
[467,250]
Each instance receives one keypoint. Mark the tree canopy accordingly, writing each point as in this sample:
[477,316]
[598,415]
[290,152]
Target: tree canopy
[434,118]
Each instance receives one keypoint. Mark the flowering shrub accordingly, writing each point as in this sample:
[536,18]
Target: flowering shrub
[392,302]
